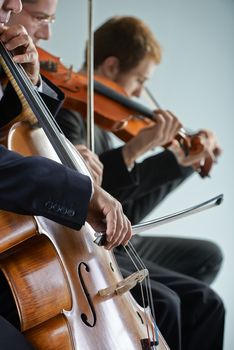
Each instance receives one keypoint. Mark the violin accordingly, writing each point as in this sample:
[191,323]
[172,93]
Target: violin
[68,291]
[114,110]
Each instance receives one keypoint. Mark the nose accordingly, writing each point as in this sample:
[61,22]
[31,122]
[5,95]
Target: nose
[14,6]
[44,32]
[137,92]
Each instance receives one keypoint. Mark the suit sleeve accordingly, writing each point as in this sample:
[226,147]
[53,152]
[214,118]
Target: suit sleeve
[42,187]
[155,171]
[36,185]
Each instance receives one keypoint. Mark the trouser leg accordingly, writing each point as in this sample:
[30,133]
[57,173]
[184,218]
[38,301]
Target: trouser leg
[11,338]
[166,305]
[202,310]
[197,258]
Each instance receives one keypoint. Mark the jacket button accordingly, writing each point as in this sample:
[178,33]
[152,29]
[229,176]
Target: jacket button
[71,212]
[63,210]
[56,207]
[49,205]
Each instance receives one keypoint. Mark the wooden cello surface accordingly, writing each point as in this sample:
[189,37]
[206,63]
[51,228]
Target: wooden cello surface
[56,275]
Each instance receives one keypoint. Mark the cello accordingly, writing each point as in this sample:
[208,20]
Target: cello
[65,287]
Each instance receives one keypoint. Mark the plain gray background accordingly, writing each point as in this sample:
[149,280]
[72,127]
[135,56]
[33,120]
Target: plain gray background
[195,80]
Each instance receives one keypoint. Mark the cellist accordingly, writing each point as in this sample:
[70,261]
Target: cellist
[167,299]
[38,186]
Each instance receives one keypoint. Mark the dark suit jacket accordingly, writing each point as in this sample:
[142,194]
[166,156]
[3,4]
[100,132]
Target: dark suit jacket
[145,186]
[36,185]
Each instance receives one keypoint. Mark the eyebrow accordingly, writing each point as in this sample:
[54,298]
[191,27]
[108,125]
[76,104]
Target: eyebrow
[43,14]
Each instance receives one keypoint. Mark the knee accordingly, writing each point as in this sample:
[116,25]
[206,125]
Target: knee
[212,263]
[213,303]
[216,253]
[218,303]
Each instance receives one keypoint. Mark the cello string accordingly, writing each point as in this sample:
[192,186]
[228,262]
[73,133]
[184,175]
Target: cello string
[147,287]
[148,291]
[141,263]
[135,258]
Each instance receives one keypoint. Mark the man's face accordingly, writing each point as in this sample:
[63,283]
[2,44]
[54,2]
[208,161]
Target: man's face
[134,80]
[6,8]
[36,18]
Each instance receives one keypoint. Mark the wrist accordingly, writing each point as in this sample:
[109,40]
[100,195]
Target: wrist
[128,156]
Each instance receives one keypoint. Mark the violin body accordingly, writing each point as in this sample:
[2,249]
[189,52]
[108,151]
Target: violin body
[55,274]
[109,114]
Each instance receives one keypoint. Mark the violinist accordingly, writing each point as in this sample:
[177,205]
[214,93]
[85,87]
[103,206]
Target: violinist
[149,182]
[186,308]
[28,183]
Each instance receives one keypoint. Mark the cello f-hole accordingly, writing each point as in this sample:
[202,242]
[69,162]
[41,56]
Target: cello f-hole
[83,316]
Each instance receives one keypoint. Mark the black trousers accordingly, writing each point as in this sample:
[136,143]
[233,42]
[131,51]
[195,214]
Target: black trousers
[11,338]
[197,258]
[201,259]
[189,313]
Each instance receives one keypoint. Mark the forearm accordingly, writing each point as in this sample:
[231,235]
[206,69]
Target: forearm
[43,187]
[115,173]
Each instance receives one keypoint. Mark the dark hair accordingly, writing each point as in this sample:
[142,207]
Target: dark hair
[128,39]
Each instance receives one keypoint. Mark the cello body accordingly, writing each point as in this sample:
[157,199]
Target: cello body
[56,273]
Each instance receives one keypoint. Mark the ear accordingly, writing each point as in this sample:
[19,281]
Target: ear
[110,67]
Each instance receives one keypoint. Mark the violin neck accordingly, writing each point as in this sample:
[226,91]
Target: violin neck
[123,100]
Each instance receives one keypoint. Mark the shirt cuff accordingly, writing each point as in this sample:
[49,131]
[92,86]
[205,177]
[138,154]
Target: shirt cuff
[38,87]
[131,167]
